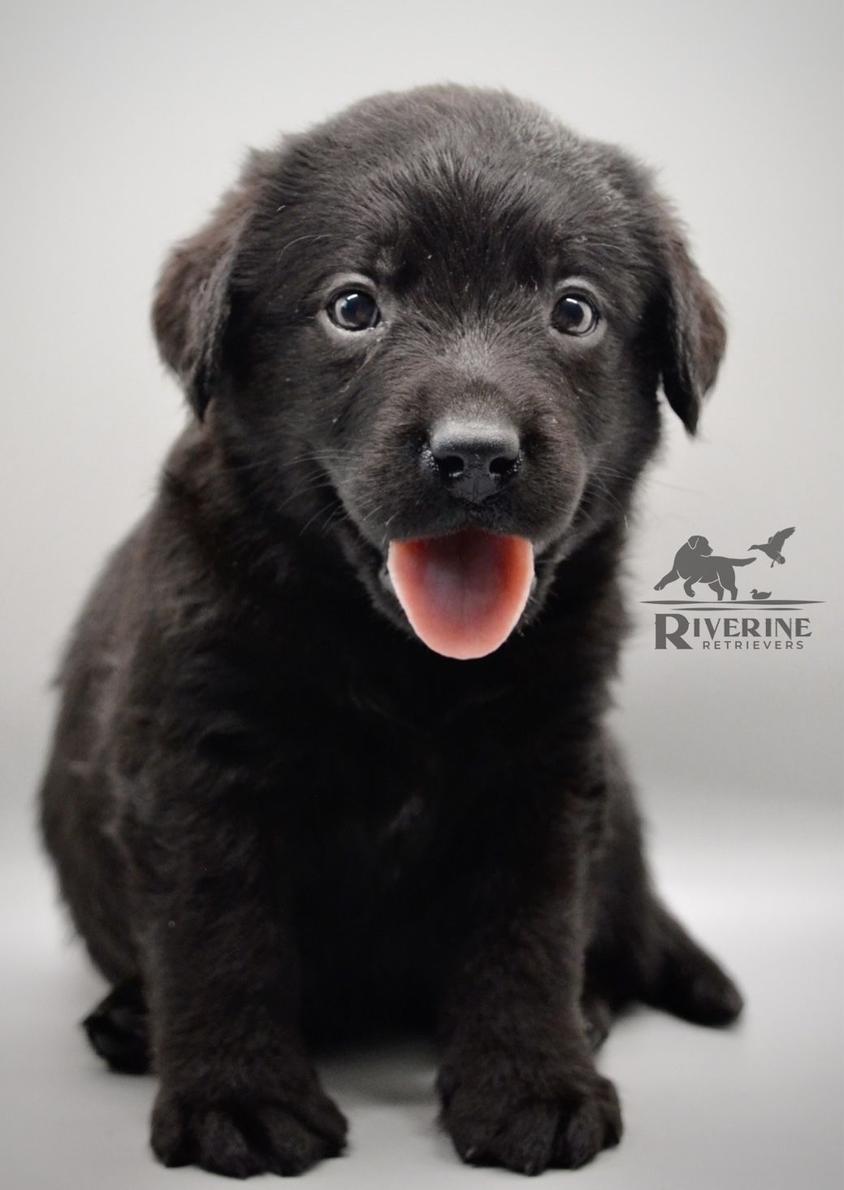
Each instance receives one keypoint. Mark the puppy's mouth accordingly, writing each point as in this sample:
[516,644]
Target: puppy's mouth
[463,593]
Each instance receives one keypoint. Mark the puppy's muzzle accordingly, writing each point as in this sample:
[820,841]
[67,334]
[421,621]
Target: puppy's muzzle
[473,459]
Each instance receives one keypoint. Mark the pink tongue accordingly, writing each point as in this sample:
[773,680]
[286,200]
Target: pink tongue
[462,594]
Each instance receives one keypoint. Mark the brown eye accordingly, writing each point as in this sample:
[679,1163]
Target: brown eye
[574,314]
[354,310]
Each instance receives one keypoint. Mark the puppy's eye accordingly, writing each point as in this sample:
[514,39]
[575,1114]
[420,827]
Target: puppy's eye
[574,314]
[354,310]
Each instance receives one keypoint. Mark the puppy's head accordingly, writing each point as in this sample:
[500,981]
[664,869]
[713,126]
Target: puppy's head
[434,330]
[699,545]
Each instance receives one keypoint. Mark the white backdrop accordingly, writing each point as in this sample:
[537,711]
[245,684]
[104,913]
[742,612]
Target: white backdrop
[121,126]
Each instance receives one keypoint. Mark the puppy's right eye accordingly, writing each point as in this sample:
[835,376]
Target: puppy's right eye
[575,314]
[354,310]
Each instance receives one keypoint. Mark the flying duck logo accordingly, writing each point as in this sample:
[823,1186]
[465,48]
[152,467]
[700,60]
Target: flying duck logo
[762,622]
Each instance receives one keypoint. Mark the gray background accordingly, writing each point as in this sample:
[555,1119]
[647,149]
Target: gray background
[121,125]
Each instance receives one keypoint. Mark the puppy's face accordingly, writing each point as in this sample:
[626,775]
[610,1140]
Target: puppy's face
[700,546]
[433,330]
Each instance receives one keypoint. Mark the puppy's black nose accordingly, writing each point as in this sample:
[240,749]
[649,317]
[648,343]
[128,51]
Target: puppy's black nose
[474,459]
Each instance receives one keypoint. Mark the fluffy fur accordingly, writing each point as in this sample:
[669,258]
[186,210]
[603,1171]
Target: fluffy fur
[275,815]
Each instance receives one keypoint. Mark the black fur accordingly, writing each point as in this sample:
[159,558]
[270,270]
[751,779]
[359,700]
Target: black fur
[272,809]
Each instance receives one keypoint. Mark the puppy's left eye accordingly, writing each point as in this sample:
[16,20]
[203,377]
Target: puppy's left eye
[354,310]
[574,314]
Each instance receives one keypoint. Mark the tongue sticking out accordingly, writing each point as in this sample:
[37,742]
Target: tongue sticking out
[462,594]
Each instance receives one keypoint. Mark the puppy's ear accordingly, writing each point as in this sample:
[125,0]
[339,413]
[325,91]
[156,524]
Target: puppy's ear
[693,543]
[192,301]
[692,335]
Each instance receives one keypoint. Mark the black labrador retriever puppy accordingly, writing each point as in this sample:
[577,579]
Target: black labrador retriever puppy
[331,752]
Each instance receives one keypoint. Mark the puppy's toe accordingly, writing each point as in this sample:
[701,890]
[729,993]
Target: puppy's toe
[220,1143]
[592,1123]
[293,1145]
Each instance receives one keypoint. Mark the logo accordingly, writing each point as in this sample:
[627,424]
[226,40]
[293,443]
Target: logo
[762,622]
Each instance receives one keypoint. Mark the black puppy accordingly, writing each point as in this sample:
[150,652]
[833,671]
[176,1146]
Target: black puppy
[422,345]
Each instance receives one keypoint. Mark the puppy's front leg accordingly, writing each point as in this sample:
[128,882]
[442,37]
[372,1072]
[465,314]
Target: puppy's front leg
[518,1083]
[666,579]
[238,1094]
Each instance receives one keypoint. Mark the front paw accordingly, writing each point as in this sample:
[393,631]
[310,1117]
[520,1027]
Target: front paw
[529,1124]
[241,1136]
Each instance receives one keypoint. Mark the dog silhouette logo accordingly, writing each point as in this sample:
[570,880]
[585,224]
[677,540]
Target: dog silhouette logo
[695,562]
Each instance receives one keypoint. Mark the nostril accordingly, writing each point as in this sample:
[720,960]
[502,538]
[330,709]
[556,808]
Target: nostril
[451,466]
[504,466]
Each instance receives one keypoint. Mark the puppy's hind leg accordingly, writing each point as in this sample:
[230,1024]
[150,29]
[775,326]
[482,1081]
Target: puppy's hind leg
[637,949]
[684,980]
[117,1029]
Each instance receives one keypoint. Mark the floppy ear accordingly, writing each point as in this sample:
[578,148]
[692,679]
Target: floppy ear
[192,300]
[692,331]
[693,543]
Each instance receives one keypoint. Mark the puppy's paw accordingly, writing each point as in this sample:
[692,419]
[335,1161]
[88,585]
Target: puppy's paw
[240,1137]
[705,996]
[527,1129]
[687,981]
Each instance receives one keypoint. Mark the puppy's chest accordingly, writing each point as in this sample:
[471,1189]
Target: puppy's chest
[378,843]
[382,824]
[408,826]
[381,807]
